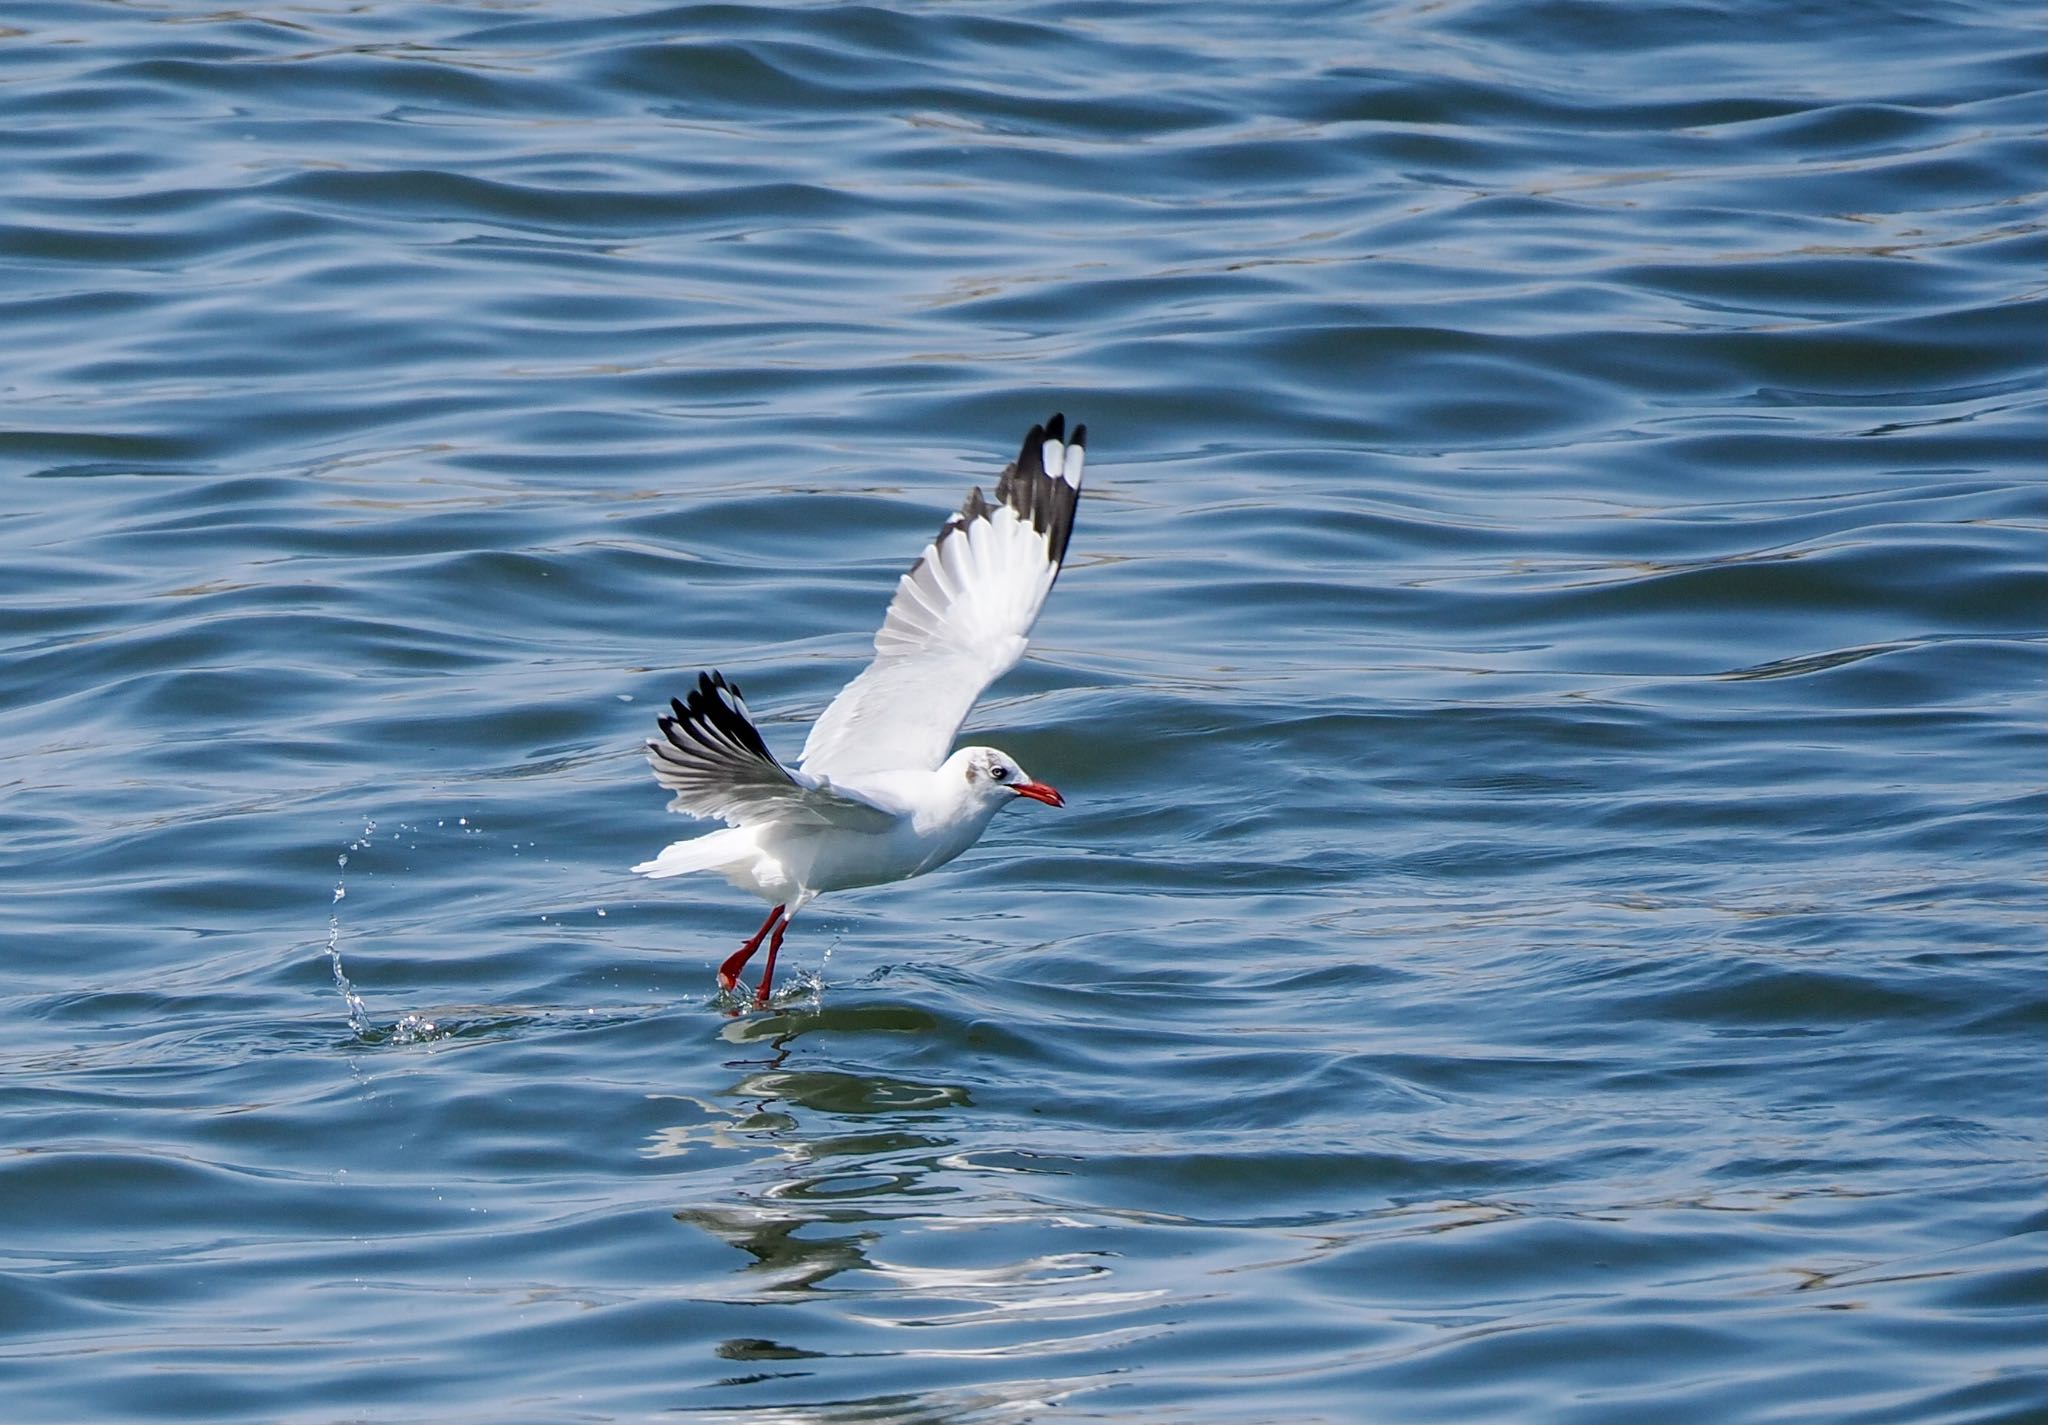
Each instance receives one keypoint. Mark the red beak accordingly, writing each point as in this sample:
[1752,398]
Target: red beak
[1039,792]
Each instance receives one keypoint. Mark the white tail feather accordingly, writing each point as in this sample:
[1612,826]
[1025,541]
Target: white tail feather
[701,853]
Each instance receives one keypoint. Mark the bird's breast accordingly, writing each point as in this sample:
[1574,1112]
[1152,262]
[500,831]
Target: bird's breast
[836,861]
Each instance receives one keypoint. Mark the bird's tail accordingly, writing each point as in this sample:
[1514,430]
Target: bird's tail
[700,853]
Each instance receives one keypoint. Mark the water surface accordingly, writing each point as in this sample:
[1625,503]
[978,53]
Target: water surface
[1549,688]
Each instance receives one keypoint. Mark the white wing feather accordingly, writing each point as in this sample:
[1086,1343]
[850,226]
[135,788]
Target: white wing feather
[960,618]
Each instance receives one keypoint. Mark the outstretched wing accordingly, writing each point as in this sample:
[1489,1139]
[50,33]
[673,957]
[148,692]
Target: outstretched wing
[959,618]
[712,757]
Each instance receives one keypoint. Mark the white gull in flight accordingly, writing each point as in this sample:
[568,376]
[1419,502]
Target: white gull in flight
[875,796]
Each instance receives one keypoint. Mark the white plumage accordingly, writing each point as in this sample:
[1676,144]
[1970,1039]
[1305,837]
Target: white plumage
[875,796]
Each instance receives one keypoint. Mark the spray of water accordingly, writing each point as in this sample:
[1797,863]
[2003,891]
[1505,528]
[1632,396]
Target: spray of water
[358,1016]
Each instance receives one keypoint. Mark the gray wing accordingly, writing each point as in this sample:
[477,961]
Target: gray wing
[960,616]
[713,758]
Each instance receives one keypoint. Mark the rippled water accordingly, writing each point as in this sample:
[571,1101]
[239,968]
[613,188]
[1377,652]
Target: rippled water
[1548,923]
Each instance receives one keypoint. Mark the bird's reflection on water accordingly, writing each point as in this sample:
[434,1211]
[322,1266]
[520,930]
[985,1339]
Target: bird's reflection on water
[857,1209]
[815,1167]
[781,1261]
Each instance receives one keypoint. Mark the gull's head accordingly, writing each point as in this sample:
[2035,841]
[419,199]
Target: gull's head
[994,777]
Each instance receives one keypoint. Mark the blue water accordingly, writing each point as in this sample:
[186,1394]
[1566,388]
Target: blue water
[1551,688]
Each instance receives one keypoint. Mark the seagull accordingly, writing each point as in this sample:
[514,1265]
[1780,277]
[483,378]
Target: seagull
[875,796]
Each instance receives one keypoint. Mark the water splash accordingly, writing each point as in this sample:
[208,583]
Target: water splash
[415,1029]
[358,1014]
[798,990]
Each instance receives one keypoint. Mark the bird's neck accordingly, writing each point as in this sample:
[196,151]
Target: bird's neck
[953,807]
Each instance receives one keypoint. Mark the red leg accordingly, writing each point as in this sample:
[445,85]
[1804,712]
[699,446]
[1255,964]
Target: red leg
[729,972]
[768,974]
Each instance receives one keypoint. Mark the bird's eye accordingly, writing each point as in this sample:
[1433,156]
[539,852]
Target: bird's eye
[1001,774]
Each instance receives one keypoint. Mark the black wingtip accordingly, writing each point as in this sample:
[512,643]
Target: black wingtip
[1031,455]
[1048,503]
[706,711]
